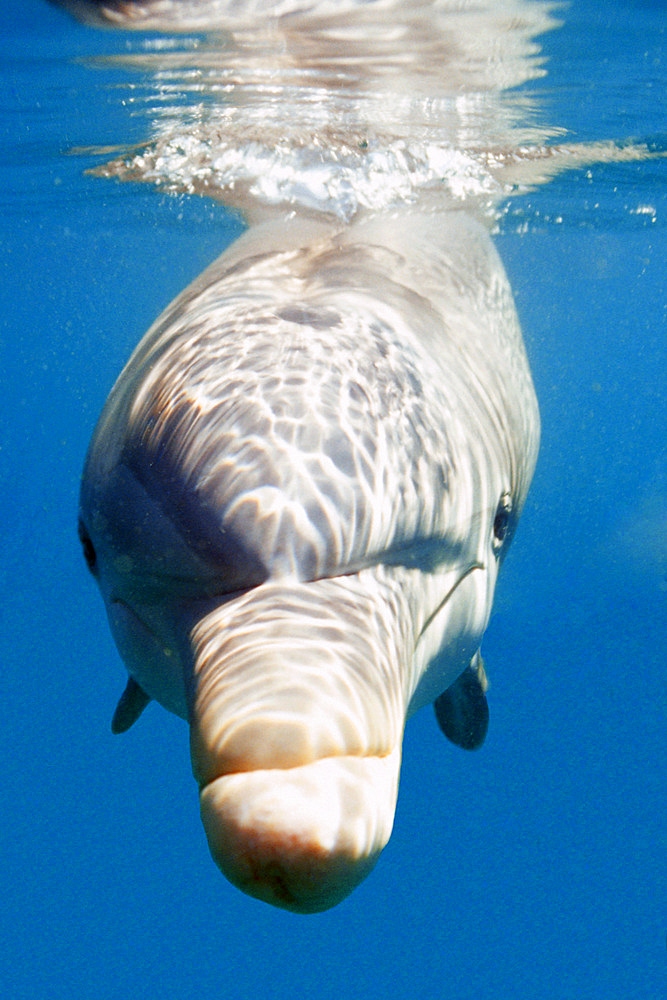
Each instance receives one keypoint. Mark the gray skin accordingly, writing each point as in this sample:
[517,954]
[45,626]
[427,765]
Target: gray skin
[295,505]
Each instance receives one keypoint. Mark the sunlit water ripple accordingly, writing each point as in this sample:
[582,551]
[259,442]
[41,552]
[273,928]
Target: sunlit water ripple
[347,109]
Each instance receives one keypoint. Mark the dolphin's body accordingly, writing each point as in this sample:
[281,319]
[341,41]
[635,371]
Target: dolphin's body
[295,504]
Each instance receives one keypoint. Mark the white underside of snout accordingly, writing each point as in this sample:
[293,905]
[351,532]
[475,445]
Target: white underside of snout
[302,838]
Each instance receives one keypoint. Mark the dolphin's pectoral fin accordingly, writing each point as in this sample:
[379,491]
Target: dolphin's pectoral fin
[462,710]
[130,706]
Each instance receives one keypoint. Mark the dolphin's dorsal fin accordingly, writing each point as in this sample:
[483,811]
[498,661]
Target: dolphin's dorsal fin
[131,704]
[462,710]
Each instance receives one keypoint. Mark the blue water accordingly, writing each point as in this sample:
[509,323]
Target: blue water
[535,868]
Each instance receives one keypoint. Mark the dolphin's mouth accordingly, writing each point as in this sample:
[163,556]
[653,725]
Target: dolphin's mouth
[297,707]
[302,838]
[457,583]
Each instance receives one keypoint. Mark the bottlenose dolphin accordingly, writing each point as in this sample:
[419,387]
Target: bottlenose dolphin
[302,486]
[295,505]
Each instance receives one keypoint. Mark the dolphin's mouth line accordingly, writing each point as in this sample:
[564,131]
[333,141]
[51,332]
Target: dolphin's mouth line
[409,557]
[299,767]
[447,596]
[119,602]
[425,554]
[229,596]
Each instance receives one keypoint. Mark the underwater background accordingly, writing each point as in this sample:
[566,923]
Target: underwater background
[536,867]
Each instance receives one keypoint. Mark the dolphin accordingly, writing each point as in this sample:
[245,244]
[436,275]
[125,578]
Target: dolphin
[295,505]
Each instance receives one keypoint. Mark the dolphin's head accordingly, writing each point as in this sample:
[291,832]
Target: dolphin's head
[296,524]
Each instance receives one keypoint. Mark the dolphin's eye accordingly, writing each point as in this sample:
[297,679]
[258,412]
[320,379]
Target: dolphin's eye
[501,521]
[89,553]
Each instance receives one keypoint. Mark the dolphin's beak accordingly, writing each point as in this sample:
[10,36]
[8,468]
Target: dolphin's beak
[302,838]
[296,719]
